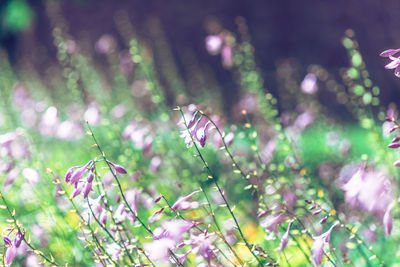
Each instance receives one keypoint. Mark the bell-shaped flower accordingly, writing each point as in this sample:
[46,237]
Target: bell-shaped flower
[118,168]
[317,248]
[88,188]
[18,238]
[103,217]
[78,189]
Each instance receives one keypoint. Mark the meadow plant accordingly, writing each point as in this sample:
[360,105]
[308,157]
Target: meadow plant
[282,184]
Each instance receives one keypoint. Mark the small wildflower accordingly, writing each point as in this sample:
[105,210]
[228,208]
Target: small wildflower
[118,168]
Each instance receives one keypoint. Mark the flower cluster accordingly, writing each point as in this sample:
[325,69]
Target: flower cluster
[12,246]
[197,128]
[369,189]
[221,44]
[395,61]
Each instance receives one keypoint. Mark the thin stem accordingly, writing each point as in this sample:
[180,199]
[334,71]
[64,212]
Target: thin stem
[38,252]
[212,177]
[87,224]
[123,195]
[103,192]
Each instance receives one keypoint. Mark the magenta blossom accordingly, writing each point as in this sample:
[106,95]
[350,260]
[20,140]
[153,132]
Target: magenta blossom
[118,168]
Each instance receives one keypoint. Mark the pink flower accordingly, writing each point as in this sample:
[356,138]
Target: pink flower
[182,201]
[10,254]
[12,246]
[118,168]
[317,249]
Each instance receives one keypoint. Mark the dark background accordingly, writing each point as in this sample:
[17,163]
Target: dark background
[308,31]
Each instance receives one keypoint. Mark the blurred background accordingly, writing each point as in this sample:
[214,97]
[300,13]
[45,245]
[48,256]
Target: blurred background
[282,32]
[266,71]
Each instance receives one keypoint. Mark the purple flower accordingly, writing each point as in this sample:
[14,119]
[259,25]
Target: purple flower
[156,215]
[285,238]
[388,220]
[88,188]
[78,189]
[395,61]
[155,164]
[182,201]
[77,174]
[204,245]
[317,249]
[103,217]
[202,134]
[173,229]
[69,173]
[10,254]
[389,52]
[118,168]
[394,145]
[12,246]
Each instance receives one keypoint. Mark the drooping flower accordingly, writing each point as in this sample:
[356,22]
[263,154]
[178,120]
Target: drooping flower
[370,189]
[10,254]
[173,229]
[12,246]
[118,168]
[203,244]
[114,250]
[272,222]
[182,202]
[317,248]
[395,61]
[156,215]
[74,174]
[285,238]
